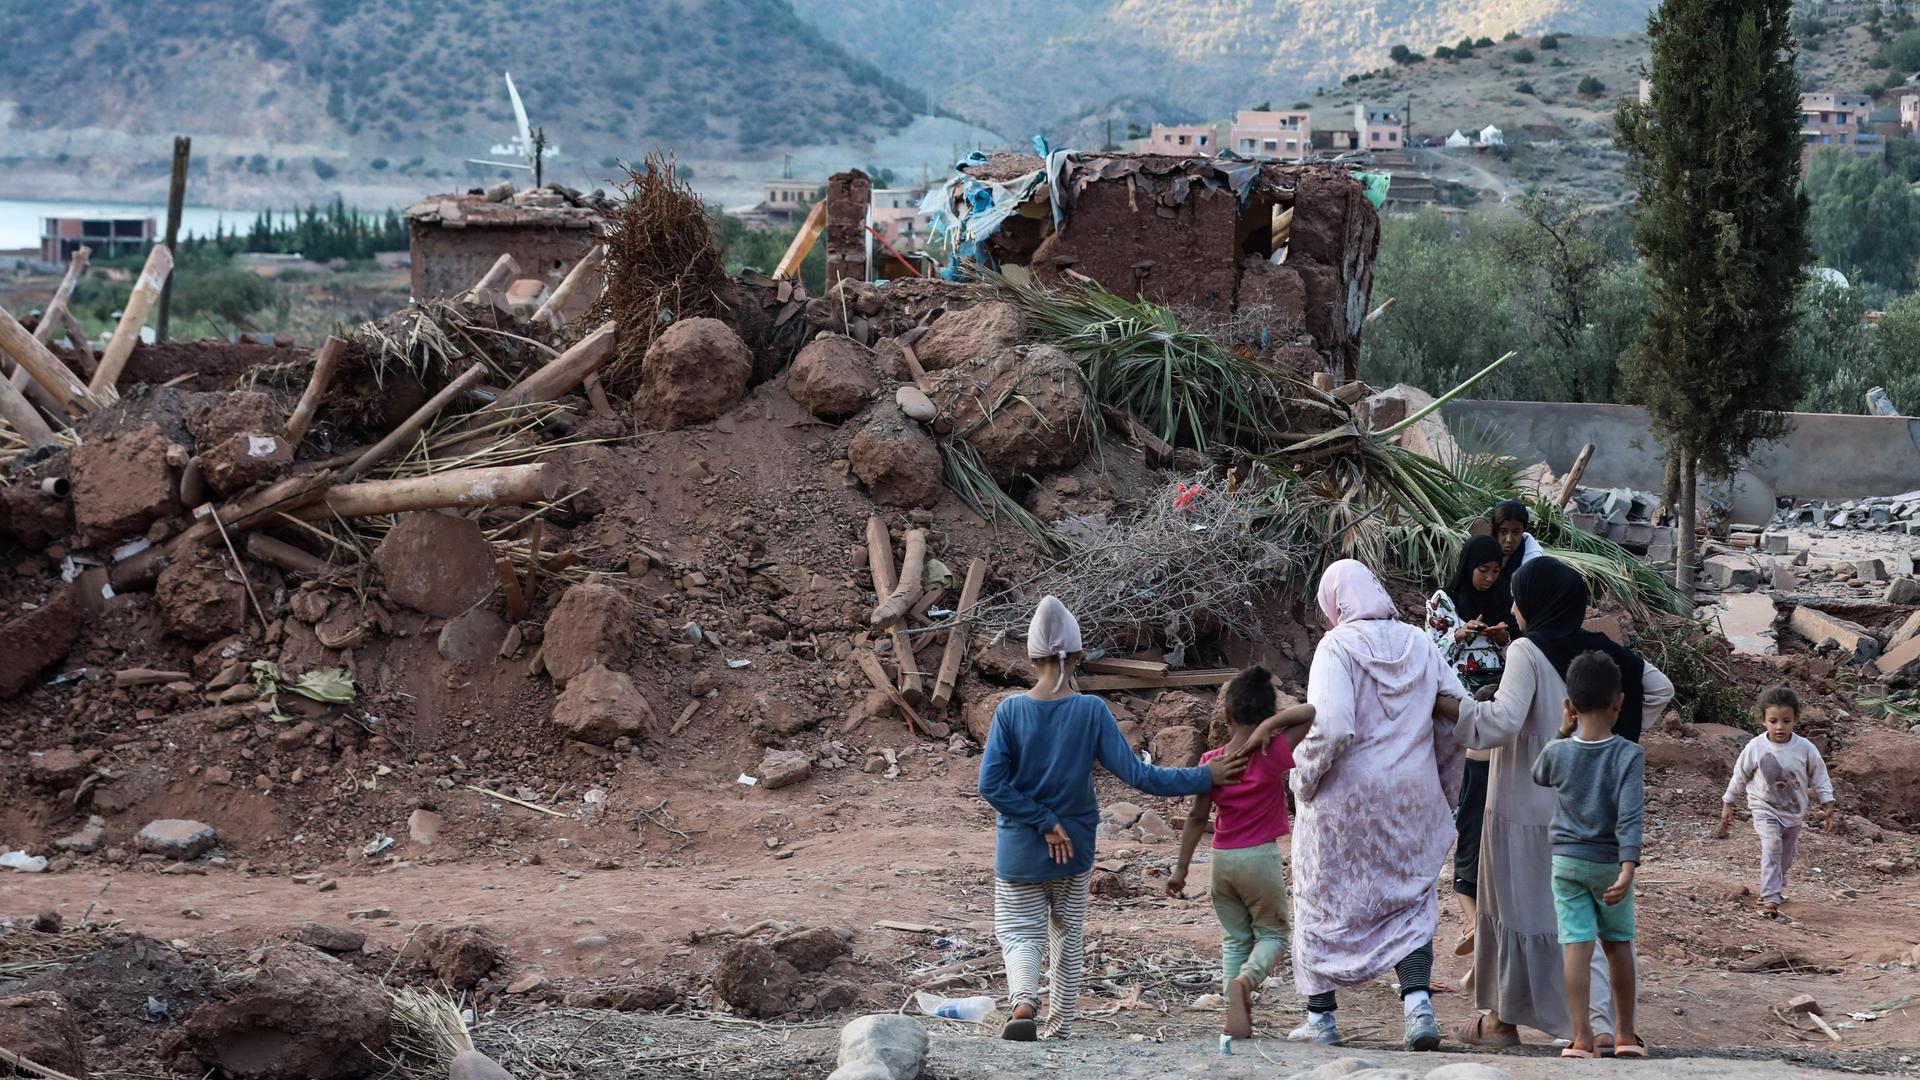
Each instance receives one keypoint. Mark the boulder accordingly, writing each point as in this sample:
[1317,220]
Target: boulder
[784,768]
[242,460]
[897,460]
[1903,590]
[914,402]
[811,949]
[33,517]
[213,418]
[885,1046]
[591,625]
[694,371]
[1178,708]
[37,640]
[474,1065]
[57,768]
[122,484]
[88,839]
[462,955]
[755,980]
[1023,409]
[979,714]
[969,334]
[1901,665]
[329,938]
[436,563]
[473,636]
[423,827]
[1732,571]
[832,377]
[175,838]
[201,597]
[298,1014]
[1120,815]
[1177,747]
[41,1028]
[600,705]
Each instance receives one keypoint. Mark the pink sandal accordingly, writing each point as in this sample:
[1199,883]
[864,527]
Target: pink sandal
[1473,1033]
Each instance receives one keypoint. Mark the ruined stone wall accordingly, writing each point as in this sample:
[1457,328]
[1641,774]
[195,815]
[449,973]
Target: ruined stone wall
[448,261]
[848,196]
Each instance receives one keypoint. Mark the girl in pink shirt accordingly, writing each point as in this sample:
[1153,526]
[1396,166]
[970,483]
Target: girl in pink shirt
[1249,880]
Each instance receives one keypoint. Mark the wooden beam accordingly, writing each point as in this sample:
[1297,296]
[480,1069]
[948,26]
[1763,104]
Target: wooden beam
[498,274]
[1573,476]
[45,368]
[469,488]
[411,426]
[510,584]
[146,290]
[1141,669]
[176,200]
[77,338]
[325,363]
[284,555]
[22,417]
[56,307]
[1206,677]
[877,675]
[880,564]
[893,607]
[956,647]
[549,311]
[914,366]
[803,241]
[560,374]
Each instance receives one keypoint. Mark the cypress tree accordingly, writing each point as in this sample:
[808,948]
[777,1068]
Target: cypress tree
[1721,223]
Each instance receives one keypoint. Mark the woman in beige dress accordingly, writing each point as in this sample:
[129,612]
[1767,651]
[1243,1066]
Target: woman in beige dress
[1516,967]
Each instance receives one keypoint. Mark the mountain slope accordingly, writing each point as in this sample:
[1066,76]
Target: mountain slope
[351,80]
[1022,68]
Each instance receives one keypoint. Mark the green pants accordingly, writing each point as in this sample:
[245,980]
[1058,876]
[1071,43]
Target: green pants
[1250,900]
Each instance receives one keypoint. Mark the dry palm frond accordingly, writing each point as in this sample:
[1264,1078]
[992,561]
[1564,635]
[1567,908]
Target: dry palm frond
[969,478]
[427,1027]
[508,439]
[434,339]
[661,265]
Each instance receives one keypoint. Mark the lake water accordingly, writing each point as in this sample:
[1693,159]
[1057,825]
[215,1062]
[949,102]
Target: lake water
[20,218]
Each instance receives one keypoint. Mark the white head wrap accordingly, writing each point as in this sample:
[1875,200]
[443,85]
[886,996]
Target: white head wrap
[1053,632]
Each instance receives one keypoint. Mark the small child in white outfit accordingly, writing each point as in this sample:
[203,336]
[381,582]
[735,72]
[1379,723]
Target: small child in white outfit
[1779,772]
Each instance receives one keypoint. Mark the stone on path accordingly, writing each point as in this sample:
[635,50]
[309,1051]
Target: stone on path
[176,838]
[885,1046]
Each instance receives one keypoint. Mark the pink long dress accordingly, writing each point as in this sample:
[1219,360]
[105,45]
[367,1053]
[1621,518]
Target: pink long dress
[1375,782]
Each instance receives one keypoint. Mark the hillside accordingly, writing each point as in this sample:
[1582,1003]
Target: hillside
[307,89]
[1065,67]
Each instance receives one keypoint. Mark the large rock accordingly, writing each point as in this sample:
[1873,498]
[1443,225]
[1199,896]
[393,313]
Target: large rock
[299,1015]
[832,377]
[755,980]
[970,334]
[328,937]
[784,768]
[978,715]
[213,418]
[57,768]
[896,459]
[473,636]
[462,955]
[38,639]
[591,625]
[33,517]
[811,949]
[176,838]
[885,1046]
[201,597]
[1022,409]
[242,460]
[600,705]
[437,563]
[1902,590]
[1901,664]
[1849,640]
[1178,708]
[1178,747]
[692,372]
[41,1028]
[122,483]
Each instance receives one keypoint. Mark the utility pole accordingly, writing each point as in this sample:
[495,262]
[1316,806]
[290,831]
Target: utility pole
[176,202]
[539,156]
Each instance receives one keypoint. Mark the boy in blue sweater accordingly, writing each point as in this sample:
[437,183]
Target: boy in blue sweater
[1037,771]
[1599,777]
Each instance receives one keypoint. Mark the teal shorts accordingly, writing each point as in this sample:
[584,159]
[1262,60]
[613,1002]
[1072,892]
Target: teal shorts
[1577,906]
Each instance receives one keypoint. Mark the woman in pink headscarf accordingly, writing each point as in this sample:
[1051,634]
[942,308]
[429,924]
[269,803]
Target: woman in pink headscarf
[1374,783]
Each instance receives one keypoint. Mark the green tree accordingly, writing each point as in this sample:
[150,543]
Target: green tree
[1864,221]
[1591,87]
[1548,41]
[1722,228]
[1903,52]
[1521,55]
[1835,348]
[1563,258]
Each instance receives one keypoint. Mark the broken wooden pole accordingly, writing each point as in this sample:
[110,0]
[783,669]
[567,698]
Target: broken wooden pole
[956,647]
[146,290]
[497,275]
[324,365]
[877,675]
[880,565]
[57,307]
[421,417]
[893,607]
[803,241]
[1573,476]
[22,417]
[560,374]
[466,488]
[141,676]
[176,199]
[284,555]
[82,347]
[47,370]
[549,311]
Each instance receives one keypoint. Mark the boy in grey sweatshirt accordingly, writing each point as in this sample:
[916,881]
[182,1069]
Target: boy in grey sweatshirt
[1596,844]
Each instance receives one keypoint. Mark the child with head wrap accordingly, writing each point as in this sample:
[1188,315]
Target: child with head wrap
[1037,772]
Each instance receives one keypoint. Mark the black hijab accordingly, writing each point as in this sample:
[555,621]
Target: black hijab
[1492,606]
[1553,597]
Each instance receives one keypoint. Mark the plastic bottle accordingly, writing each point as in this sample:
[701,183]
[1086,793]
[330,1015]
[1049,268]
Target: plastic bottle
[971,1009]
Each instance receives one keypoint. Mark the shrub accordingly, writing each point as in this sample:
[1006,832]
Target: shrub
[1511,35]
[379,164]
[1400,54]
[1592,87]
[1548,41]
[323,170]
[1523,87]
[1466,45]
[1483,43]
[1521,55]
[1441,52]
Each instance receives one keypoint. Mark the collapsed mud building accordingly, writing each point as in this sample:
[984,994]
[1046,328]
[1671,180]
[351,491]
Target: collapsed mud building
[646,574]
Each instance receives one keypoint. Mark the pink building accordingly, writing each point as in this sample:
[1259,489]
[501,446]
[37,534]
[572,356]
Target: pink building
[1910,112]
[1271,134]
[1838,120]
[1378,127]
[896,216]
[1180,139]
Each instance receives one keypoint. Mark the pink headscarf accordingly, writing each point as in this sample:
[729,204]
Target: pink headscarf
[1349,592]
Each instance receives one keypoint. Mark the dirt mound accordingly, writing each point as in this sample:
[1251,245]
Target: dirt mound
[298,1014]
[111,985]
[41,1028]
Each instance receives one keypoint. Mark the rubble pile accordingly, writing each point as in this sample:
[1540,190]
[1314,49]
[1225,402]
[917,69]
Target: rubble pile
[1891,514]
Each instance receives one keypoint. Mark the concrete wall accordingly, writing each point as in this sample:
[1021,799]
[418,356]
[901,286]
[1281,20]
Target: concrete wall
[1823,456]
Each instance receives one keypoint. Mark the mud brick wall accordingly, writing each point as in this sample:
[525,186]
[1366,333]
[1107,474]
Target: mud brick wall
[448,261]
[1183,255]
[849,194]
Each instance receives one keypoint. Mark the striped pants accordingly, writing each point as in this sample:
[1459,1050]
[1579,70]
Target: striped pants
[1028,914]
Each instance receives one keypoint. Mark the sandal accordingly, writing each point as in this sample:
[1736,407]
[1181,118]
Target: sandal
[1635,1049]
[1464,946]
[1576,1052]
[1020,1031]
[1472,1033]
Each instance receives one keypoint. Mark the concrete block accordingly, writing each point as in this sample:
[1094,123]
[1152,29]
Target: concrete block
[1589,522]
[1851,640]
[1775,543]
[1731,571]
[1870,569]
[1901,664]
[1909,631]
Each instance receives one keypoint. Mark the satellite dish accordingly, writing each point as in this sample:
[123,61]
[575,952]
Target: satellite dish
[526,142]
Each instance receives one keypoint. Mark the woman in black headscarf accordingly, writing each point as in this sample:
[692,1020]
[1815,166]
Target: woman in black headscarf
[1517,958]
